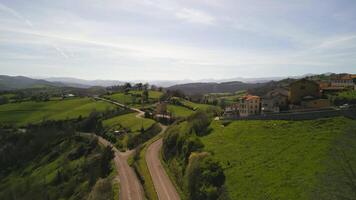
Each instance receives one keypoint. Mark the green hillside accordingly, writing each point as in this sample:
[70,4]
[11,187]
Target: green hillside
[34,112]
[134,98]
[128,121]
[179,111]
[286,159]
[50,163]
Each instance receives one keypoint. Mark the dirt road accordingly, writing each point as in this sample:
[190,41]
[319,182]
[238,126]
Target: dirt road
[162,183]
[130,187]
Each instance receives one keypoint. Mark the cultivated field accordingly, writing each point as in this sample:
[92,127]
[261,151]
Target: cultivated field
[285,159]
[34,112]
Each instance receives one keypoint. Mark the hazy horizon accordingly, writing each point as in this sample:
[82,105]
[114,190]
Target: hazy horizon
[172,80]
[176,40]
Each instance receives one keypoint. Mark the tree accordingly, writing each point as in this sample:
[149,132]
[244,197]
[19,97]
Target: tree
[146,86]
[205,178]
[145,95]
[222,103]
[138,86]
[106,157]
[3,100]
[199,123]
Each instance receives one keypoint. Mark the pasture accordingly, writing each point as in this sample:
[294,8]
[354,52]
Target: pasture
[20,114]
[285,159]
[128,121]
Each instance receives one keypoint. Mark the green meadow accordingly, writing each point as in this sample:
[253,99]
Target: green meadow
[195,106]
[179,111]
[133,97]
[128,121]
[285,159]
[350,95]
[34,112]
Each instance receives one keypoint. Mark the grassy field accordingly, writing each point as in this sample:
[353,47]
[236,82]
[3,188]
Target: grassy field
[121,98]
[195,106]
[34,112]
[151,94]
[179,111]
[228,97]
[129,121]
[132,100]
[349,95]
[284,159]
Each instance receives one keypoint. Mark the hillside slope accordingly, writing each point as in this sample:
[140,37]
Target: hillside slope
[22,82]
[204,88]
[286,159]
[53,163]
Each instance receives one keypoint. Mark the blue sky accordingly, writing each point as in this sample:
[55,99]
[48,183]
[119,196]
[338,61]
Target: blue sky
[171,40]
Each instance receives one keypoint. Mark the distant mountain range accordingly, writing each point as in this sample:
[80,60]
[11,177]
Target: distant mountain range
[22,82]
[81,83]
[187,86]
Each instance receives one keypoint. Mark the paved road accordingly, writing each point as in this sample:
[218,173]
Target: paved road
[162,183]
[130,187]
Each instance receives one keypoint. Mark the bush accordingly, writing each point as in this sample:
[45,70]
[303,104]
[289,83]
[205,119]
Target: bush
[205,178]
[199,123]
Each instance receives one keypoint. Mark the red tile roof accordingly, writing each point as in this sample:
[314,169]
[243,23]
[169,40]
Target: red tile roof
[250,97]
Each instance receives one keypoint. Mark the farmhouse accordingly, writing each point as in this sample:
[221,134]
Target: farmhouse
[275,100]
[345,81]
[232,110]
[303,89]
[249,105]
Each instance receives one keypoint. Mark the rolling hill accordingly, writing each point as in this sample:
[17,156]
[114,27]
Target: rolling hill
[22,82]
[204,88]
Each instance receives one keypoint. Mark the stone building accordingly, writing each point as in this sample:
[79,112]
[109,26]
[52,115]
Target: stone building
[274,101]
[249,105]
[302,89]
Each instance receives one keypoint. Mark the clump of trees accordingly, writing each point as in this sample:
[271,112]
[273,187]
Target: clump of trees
[79,162]
[3,100]
[198,174]
[143,136]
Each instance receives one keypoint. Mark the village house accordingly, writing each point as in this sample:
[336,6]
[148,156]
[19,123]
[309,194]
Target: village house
[305,94]
[301,90]
[232,110]
[274,101]
[249,105]
[345,81]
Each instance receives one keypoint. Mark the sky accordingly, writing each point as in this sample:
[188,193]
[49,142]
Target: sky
[175,40]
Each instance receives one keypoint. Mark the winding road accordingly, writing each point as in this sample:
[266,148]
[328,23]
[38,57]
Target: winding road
[162,183]
[130,187]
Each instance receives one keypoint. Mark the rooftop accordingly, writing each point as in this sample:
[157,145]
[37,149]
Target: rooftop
[250,97]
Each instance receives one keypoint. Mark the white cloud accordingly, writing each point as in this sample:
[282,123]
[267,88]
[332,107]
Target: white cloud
[15,14]
[195,16]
